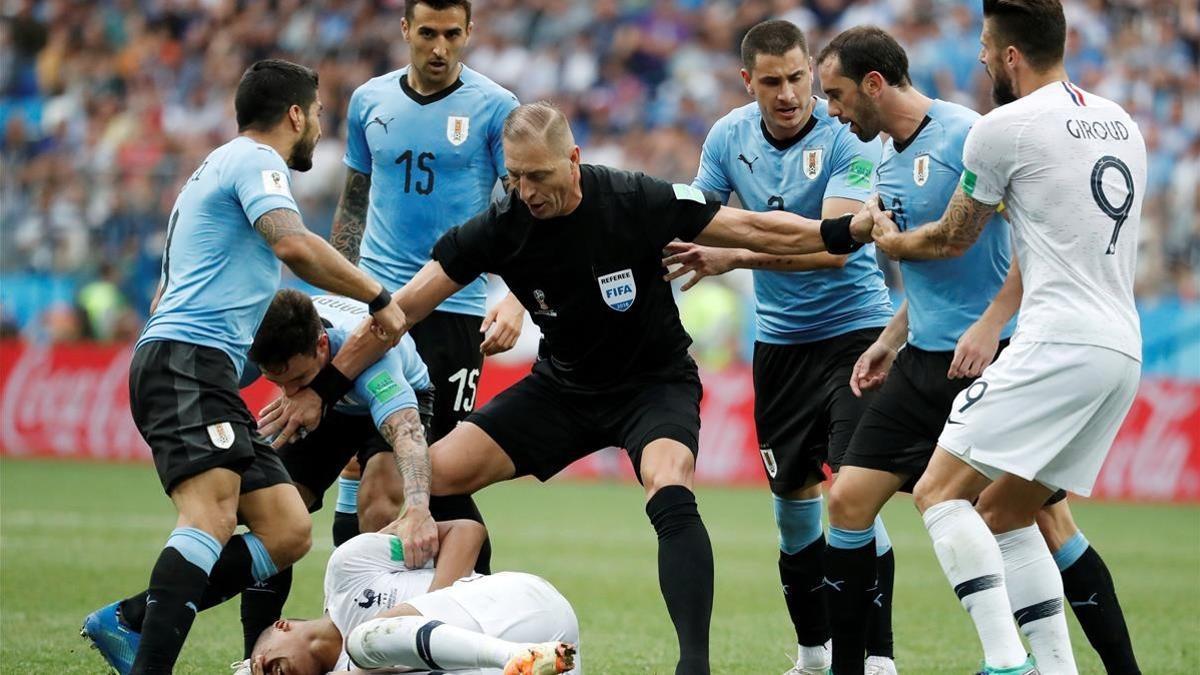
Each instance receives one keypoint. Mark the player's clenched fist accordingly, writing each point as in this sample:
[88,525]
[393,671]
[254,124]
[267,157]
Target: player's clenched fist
[418,534]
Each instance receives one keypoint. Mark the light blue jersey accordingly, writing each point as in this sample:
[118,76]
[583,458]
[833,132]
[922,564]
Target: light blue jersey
[218,273]
[433,161]
[823,161]
[391,383]
[916,181]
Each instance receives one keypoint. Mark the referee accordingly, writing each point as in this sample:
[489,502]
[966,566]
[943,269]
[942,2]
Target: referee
[581,247]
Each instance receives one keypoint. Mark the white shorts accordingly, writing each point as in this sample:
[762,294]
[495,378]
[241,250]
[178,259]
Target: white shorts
[1044,411]
[508,605]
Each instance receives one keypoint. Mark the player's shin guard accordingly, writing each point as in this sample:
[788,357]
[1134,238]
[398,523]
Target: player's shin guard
[424,644]
[462,507]
[850,563]
[879,628]
[801,571]
[244,562]
[970,558]
[262,605]
[176,585]
[1089,588]
[1035,593]
[685,573]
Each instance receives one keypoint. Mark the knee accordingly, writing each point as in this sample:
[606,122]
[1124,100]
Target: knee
[216,521]
[999,520]
[926,494]
[846,512]
[670,466]
[375,513]
[293,542]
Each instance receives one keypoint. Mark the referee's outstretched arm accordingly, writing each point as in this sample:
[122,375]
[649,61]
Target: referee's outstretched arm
[778,232]
[424,293]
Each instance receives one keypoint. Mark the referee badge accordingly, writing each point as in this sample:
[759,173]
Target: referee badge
[221,435]
[812,162]
[921,169]
[457,129]
[618,289]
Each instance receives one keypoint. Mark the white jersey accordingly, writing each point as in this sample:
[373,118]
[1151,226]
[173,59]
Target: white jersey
[1070,168]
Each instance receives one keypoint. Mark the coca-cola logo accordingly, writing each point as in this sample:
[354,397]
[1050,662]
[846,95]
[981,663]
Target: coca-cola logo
[69,402]
[1157,454]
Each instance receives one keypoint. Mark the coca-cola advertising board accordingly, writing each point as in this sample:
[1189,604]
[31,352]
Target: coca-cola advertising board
[72,401]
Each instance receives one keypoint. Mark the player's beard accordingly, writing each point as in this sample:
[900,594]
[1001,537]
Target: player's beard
[867,123]
[1003,92]
[302,153]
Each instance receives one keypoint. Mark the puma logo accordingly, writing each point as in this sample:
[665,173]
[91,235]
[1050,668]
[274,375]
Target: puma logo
[835,585]
[381,122]
[749,162]
[1090,602]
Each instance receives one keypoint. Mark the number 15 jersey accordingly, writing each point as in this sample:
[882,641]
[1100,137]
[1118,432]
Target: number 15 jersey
[433,162]
[1070,168]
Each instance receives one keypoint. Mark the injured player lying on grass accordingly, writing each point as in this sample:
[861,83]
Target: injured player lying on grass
[381,617]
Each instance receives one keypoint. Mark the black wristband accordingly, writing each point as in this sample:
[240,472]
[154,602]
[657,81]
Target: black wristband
[380,302]
[835,232]
[330,384]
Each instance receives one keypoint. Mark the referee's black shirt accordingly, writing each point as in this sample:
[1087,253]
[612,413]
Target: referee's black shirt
[591,280]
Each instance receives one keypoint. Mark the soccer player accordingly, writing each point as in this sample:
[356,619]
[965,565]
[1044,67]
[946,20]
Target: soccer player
[937,343]
[234,221]
[815,313]
[423,153]
[1070,168]
[380,613]
[381,422]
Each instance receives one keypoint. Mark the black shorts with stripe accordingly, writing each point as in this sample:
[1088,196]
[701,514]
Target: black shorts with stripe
[186,404]
[449,343]
[543,425]
[804,411]
[316,460]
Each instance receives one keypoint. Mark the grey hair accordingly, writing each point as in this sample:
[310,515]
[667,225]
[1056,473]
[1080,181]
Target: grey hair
[541,121]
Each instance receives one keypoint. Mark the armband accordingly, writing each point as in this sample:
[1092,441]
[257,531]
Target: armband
[330,384]
[380,302]
[835,232]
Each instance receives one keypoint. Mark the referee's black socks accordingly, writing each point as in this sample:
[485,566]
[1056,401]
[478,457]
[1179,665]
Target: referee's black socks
[685,573]
[1089,588]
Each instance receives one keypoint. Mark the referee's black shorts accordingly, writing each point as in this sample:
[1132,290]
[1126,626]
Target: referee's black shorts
[543,425]
[185,402]
[804,411]
[316,460]
[900,427]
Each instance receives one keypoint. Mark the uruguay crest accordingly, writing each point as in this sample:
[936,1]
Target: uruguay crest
[812,162]
[618,289]
[457,128]
[768,458]
[921,169]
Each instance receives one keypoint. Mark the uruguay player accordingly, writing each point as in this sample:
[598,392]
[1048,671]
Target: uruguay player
[816,313]
[233,222]
[424,154]
[935,346]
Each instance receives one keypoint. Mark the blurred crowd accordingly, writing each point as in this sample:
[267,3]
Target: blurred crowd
[106,106]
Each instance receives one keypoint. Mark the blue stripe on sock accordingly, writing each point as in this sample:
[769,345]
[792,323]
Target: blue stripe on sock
[347,499]
[799,522]
[196,546]
[263,567]
[1071,551]
[883,543]
[849,539]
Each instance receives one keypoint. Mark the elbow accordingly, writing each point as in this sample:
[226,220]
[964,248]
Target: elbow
[293,251]
[956,249]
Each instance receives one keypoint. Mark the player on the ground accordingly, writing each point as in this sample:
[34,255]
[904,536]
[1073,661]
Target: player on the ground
[232,224]
[815,313]
[379,613]
[1070,168]
[580,246]
[937,343]
[381,422]
[423,154]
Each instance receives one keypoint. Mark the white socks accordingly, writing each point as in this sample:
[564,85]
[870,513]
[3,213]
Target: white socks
[970,558]
[423,643]
[1035,591]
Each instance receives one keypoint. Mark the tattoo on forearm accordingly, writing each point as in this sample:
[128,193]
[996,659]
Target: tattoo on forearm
[406,435]
[279,223]
[350,218]
[960,225]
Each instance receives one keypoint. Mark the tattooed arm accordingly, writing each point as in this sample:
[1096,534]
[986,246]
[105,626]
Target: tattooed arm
[949,237]
[313,259]
[415,526]
[350,218]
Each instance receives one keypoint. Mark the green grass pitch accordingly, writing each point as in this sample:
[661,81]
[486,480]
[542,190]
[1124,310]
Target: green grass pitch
[76,536]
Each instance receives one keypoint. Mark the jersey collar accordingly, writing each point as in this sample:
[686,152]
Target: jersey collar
[422,99]
[901,146]
[789,142]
